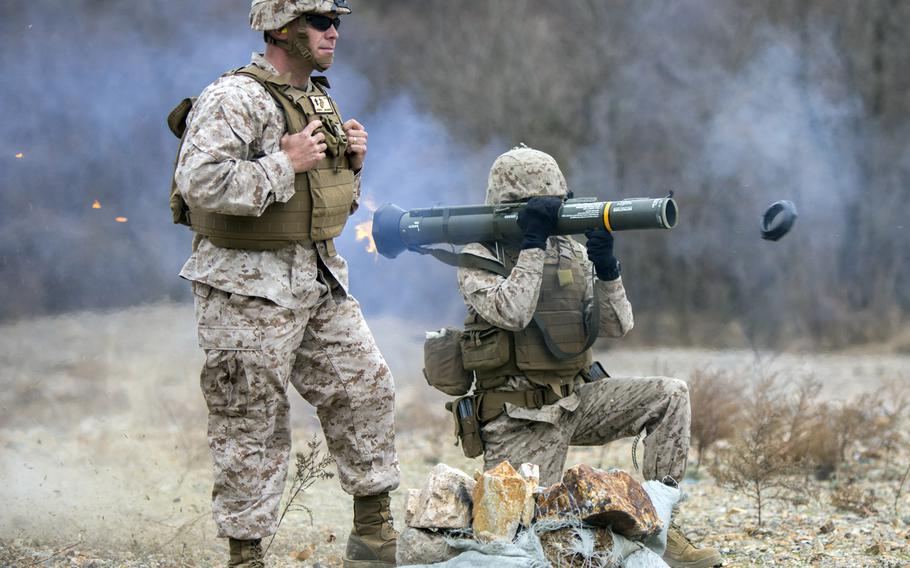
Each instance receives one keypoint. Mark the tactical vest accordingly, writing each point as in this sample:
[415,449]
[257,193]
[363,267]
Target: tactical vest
[323,196]
[494,353]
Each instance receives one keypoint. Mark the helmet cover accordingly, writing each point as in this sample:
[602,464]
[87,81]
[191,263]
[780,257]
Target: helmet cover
[523,172]
[268,15]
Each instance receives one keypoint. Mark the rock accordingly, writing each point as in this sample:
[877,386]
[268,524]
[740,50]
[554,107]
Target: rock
[564,547]
[531,473]
[410,507]
[600,498]
[500,497]
[444,502]
[421,546]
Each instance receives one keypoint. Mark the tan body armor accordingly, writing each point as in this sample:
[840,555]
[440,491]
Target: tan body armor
[323,196]
[494,353]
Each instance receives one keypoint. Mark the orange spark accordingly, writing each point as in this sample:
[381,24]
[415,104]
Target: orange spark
[364,231]
[121,219]
[96,204]
[20,155]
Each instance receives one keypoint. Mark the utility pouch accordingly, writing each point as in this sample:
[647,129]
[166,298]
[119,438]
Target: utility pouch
[594,373]
[176,121]
[333,194]
[442,362]
[467,426]
[485,349]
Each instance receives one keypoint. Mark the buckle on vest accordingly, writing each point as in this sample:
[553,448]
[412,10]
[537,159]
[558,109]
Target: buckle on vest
[535,398]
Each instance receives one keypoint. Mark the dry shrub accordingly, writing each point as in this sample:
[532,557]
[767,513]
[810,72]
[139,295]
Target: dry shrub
[716,399]
[887,431]
[870,427]
[839,429]
[761,462]
[312,465]
[852,498]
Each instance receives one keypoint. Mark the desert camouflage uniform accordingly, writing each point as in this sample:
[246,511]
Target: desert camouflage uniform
[598,412]
[267,318]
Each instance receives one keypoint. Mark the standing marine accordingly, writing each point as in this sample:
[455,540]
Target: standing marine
[534,309]
[267,175]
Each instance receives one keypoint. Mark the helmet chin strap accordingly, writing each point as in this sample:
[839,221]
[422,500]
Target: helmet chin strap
[299,45]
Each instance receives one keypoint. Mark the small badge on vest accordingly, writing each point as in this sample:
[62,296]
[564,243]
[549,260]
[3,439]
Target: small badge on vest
[321,104]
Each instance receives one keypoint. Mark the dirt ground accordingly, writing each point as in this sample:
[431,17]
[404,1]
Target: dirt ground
[105,462]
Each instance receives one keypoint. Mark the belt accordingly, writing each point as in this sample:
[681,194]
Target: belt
[492,403]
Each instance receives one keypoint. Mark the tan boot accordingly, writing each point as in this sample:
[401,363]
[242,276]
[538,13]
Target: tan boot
[681,553]
[246,554]
[374,541]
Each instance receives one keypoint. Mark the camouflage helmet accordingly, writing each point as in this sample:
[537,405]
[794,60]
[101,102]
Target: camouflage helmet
[523,172]
[268,15]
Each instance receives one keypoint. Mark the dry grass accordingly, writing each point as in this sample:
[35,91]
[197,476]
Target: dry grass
[103,442]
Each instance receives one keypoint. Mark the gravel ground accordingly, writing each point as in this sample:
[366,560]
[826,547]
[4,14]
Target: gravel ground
[104,459]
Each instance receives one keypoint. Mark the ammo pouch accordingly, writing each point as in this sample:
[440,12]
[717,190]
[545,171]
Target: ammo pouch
[485,349]
[442,362]
[467,425]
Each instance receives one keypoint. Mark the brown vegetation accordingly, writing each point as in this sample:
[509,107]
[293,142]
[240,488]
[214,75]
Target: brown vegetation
[779,434]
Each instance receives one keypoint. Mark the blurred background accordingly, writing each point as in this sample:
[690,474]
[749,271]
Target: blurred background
[730,105]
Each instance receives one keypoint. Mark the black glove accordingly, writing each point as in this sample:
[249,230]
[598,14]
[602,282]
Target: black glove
[600,252]
[538,221]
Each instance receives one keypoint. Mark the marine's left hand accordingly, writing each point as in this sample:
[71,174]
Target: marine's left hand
[600,253]
[357,143]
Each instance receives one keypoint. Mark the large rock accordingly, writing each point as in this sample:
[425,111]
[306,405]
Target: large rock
[420,546]
[410,505]
[531,473]
[600,498]
[567,549]
[444,502]
[500,499]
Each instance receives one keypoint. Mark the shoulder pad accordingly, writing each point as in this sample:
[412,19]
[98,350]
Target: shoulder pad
[481,251]
[322,81]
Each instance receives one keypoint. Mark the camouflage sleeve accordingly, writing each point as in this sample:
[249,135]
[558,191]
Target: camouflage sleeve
[222,166]
[615,310]
[510,302]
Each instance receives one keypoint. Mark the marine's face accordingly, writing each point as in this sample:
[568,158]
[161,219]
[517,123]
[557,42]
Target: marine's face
[321,42]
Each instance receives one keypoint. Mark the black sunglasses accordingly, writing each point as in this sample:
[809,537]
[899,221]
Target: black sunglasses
[322,23]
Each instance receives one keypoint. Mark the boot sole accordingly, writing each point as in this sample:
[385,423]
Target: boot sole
[348,563]
[710,562]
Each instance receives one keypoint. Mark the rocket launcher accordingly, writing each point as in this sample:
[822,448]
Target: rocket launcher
[396,230]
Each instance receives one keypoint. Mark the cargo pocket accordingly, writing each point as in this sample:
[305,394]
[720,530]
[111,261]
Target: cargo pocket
[231,355]
[333,194]
[485,349]
[202,290]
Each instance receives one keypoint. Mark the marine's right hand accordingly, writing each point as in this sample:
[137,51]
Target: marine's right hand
[538,221]
[305,149]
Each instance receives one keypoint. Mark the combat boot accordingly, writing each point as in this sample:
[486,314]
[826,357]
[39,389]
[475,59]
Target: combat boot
[374,541]
[681,553]
[246,554]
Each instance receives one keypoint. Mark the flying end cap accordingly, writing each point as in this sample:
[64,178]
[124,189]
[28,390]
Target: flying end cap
[778,219]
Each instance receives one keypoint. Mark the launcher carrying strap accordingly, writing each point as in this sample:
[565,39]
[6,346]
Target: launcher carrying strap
[460,259]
